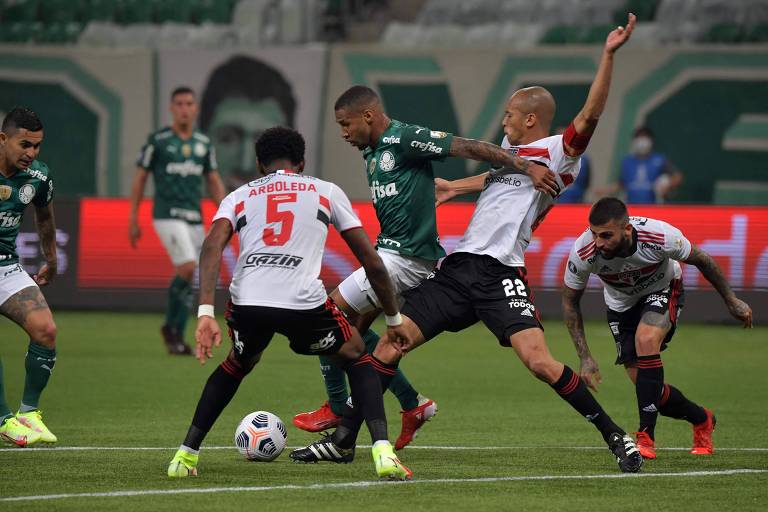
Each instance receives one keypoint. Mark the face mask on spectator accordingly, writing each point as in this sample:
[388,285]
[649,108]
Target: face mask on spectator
[641,145]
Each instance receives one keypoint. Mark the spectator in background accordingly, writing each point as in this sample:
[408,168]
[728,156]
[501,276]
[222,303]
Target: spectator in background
[575,193]
[243,97]
[646,177]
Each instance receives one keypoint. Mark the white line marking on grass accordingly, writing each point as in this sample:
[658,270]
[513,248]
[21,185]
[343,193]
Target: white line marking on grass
[342,485]
[421,447]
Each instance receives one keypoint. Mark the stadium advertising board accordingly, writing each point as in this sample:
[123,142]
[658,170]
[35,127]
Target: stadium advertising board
[737,237]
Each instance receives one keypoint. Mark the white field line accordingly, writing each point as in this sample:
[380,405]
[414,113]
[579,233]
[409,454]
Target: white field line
[360,484]
[419,447]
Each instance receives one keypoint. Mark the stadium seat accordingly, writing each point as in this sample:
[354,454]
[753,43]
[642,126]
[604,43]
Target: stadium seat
[645,10]
[21,10]
[99,34]
[757,34]
[18,32]
[178,11]
[724,33]
[596,34]
[60,11]
[99,10]
[135,11]
[213,11]
[562,34]
[746,193]
[59,33]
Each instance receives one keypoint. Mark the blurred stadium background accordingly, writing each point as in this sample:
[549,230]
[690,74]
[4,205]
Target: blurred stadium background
[99,74]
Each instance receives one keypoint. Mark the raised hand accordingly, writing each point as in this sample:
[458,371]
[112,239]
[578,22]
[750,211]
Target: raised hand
[618,37]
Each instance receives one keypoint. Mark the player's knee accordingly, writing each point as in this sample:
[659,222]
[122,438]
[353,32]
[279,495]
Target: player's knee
[45,334]
[186,271]
[244,362]
[646,344]
[544,367]
[386,352]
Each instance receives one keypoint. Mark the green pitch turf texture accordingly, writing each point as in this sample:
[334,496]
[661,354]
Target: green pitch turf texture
[522,448]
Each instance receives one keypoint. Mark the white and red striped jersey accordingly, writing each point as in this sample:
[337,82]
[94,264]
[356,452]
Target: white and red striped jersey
[659,247]
[282,220]
[509,208]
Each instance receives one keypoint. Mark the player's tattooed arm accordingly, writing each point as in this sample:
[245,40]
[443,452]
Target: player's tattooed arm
[589,370]
[543,179]
[712,272]
[21,304]
[46,231]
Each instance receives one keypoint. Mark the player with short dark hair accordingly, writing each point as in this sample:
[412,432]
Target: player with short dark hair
[637,260]
[398,164]
[282,221]
[178,157]
[24,180]
[485,278]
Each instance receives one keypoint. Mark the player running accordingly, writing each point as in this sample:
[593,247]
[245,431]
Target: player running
[637,260]
[25,180]
[178,157]
[485,278]
[398,164]
[282,220]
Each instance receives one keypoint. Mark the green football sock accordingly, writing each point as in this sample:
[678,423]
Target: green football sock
[39,364]
[335,385]
[400,386]
[5,411]
[179,304]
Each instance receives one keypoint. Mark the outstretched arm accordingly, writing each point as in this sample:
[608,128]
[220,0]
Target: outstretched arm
[215,186]
[588,371]
[712,272]
[46,232]
[543,179]
[586,120]
[207,333]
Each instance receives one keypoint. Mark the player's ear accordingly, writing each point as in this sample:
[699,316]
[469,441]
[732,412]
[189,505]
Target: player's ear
[530,120]
[3,138]
[300,166]
[368,116]
[262,169]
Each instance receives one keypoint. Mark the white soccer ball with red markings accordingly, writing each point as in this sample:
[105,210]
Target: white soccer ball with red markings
[261,436]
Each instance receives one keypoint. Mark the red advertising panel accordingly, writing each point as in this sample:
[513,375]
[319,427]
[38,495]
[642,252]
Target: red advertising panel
[736,237]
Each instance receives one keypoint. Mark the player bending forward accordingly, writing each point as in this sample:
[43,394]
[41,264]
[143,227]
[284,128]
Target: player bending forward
[637,260]
[282,220]
[485,278]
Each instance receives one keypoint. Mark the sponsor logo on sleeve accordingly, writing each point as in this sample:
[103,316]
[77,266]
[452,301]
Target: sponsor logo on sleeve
[437,135]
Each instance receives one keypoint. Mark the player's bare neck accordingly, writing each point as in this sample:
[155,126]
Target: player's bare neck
[380,124]
[532,136]
[7,171]
[184,131]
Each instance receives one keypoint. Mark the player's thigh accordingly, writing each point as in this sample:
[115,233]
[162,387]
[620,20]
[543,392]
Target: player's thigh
[318,331]
[623,326]
[440,303]
[250,330]
[660,312]
[503,301]
[405,272]
[22,301]
[179,239]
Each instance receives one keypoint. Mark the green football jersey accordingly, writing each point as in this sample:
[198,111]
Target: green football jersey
[33,185]
[177,166]
[402,185]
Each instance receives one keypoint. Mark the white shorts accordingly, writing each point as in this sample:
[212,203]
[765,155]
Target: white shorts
[406,272]
[13,279]
[182,241]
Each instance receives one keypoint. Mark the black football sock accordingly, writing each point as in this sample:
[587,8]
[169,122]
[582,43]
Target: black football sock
[570,387]
[366,395]
[674,404]
[345,435]
[649,387]
[217,393]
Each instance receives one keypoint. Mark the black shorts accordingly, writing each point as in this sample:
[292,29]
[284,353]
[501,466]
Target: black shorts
[471,287]
[319,331]
[623,324]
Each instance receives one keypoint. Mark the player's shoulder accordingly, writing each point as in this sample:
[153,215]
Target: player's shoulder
[650,230]
[161,134]
[38,170]
[546,149]
[584,246]
[201,137]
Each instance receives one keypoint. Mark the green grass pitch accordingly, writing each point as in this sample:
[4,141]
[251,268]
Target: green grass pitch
[502,440]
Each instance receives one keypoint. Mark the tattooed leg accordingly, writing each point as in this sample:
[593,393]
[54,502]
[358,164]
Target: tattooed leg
[30,311]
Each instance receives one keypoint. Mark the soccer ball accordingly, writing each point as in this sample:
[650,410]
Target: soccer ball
[261,436]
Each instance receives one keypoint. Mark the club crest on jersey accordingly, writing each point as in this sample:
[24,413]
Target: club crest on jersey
[186,150]
[200,149]
[387,161]
[630,276]
[5,192]
[26,193]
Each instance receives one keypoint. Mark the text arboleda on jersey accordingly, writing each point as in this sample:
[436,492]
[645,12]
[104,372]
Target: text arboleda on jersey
[427,146]
[379,191]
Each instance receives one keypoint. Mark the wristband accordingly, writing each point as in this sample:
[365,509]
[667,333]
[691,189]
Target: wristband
[205,310]
[576,140]
[393,320]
